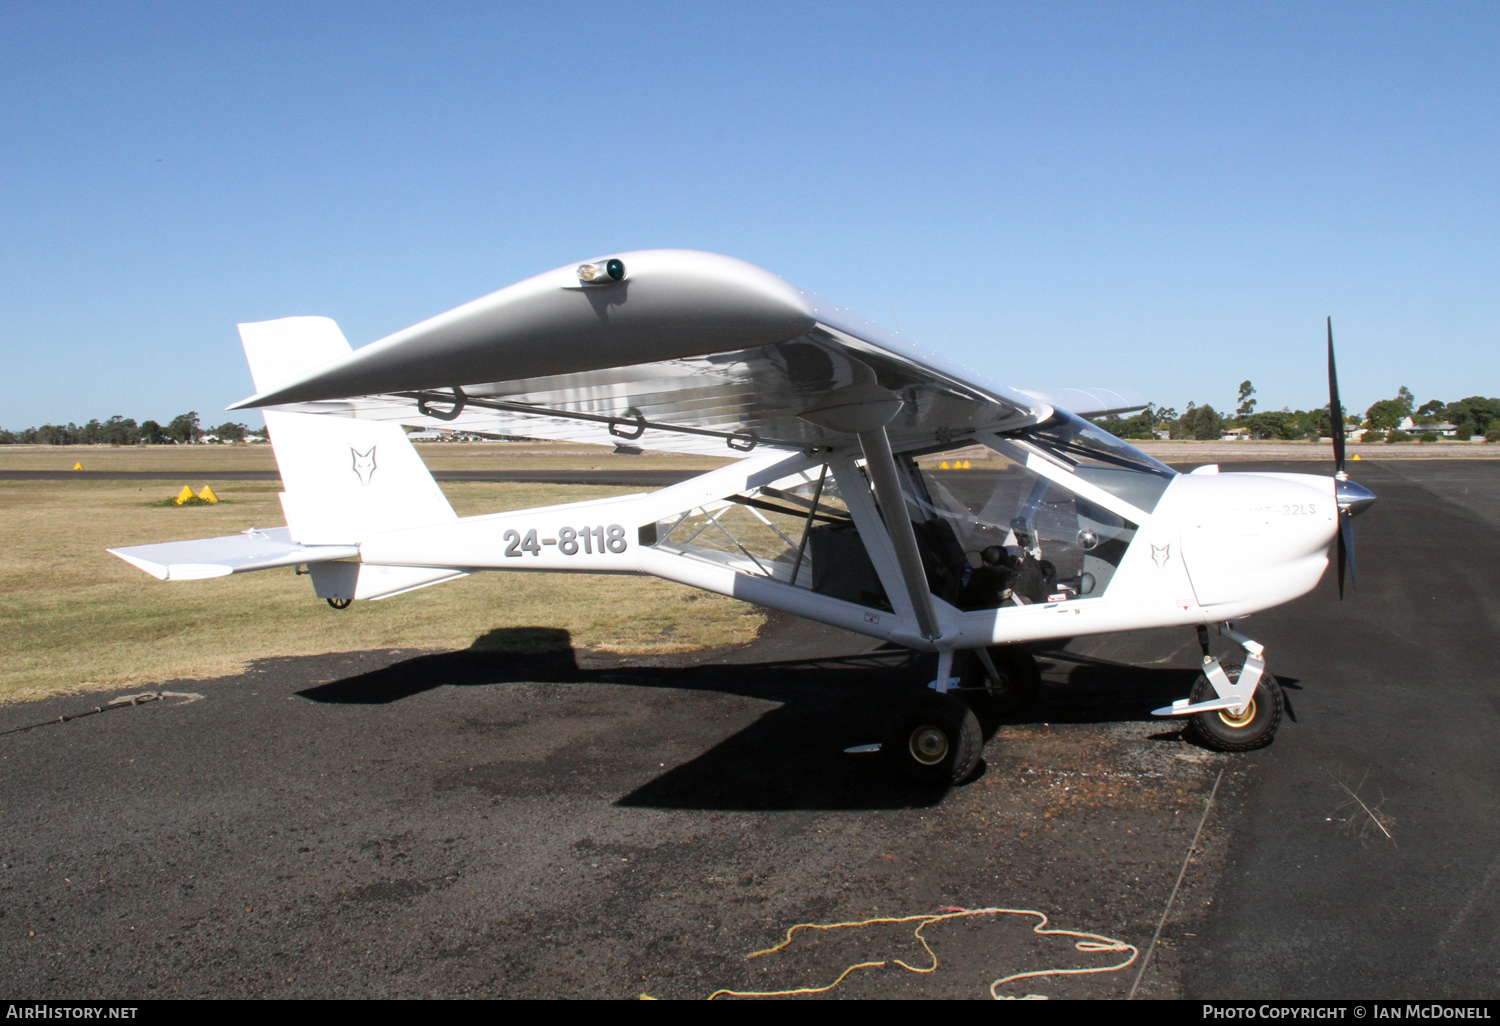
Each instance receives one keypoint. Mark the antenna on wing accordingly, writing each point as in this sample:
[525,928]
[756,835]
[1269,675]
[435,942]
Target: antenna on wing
[1352,498]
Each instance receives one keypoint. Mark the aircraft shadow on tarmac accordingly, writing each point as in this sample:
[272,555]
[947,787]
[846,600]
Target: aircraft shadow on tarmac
[791,757]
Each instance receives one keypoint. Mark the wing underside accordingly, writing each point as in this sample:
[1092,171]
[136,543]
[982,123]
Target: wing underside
[715,404]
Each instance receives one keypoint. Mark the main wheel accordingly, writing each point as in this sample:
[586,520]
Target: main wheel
[1254,728]
[1015,691]
[934,739]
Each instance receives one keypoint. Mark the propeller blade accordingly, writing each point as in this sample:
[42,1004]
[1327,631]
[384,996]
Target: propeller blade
[1346,549]
[1342,552]
[1335,408]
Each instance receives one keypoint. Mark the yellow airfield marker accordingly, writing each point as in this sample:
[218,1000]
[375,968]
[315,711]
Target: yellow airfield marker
[207,495]
[184,495]
[78,466]
[943,465]
[1356,455]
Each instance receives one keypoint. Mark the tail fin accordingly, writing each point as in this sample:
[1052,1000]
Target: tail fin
[344,478]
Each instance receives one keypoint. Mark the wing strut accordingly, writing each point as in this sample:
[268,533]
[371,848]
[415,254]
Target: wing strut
[882,464]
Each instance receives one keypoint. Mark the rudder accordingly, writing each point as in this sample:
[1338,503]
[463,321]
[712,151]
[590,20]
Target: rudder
[344,479]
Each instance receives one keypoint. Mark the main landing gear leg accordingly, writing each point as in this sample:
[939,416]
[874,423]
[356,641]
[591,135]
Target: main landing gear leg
[1231,710]
[934,737]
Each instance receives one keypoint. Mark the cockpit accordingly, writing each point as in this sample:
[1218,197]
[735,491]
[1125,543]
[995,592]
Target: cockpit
[1039,515]
[1019,518]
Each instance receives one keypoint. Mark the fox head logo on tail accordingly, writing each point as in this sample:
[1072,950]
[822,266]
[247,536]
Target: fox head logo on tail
[364,464]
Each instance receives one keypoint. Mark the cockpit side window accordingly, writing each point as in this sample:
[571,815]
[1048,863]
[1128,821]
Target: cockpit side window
[1023,538]
[1101,459]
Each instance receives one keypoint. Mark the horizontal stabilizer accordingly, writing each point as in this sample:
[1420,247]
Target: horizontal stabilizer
[367,581]
[233,554]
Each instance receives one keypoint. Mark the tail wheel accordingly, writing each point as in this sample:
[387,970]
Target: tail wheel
[934,739]
[1252,728]
[340,603]
[1016,690]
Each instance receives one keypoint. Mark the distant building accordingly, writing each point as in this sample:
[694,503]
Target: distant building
[444,435]
[1444,430]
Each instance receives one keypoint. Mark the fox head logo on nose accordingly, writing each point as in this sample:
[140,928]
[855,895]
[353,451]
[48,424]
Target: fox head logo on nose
[364,464]
[1161,553]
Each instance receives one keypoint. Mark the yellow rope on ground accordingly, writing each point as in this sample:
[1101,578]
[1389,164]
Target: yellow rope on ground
[1089,942]
[1095,942]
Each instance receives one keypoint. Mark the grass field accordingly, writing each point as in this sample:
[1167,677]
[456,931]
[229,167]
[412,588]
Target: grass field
[73,617]
[174,459]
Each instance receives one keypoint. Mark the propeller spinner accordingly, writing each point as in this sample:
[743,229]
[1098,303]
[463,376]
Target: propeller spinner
[1353,499]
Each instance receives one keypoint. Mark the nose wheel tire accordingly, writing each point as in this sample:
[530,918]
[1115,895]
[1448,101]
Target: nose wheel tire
[934,739]
[1015,691]
[1252,728]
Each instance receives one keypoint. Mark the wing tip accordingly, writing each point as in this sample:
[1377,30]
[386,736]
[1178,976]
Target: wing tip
[156,570]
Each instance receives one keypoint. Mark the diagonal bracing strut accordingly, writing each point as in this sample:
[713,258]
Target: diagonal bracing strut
[882,466]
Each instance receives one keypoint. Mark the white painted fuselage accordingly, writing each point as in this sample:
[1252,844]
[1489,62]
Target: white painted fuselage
[1216,547]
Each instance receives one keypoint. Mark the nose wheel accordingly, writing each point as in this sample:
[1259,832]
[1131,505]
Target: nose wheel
[1242,730]
[1231,708]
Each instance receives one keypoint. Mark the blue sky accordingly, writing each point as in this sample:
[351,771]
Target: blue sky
[1165,197]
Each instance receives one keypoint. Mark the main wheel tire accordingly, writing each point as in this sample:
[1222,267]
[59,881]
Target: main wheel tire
[1254,728]
[933,739]
[1020,682]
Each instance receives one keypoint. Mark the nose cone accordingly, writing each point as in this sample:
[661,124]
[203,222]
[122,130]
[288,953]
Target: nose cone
[1356,498]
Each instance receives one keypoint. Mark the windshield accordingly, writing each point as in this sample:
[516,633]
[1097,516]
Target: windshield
[1101,459]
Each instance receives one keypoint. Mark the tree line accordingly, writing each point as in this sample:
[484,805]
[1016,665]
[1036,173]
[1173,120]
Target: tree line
[183,429]
[1476,415]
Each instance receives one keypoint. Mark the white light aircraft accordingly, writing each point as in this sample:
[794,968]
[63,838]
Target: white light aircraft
[836,509]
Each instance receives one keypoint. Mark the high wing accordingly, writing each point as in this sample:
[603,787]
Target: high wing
[685,351]
[1091,402]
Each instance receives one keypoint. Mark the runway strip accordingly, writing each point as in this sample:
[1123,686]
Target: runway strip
[628,478]
[1439,468]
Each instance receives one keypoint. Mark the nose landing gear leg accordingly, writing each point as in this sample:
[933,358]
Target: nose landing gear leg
[1236,709]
